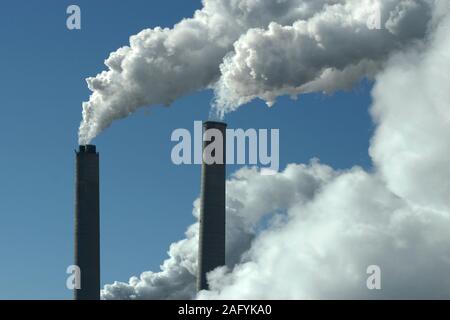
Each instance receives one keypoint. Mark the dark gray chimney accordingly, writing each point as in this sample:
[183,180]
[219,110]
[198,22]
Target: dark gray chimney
[87,223]
[212,213]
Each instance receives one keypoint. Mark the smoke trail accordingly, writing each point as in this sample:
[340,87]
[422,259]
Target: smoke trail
[161,64]
[327,226]
[245,49]
[177,278]
[250,198]
[397,218]
[327,52]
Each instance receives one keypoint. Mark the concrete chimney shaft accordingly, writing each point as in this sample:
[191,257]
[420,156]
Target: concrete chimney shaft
[87,223]
[212,213]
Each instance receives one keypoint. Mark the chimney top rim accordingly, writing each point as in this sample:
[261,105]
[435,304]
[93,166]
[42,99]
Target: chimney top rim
[88,148]
[210,122]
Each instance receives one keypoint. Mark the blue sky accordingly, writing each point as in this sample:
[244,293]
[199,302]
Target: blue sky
[146,201]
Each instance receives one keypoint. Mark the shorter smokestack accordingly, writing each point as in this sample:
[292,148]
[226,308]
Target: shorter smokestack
[212,212]
[87,222]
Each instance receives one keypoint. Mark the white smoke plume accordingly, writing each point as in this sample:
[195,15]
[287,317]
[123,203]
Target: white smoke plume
[177,278]
[397,217]
[327,52]
[310,232]
[248,49]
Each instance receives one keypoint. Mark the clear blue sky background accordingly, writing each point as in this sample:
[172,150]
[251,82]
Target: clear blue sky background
[146,201]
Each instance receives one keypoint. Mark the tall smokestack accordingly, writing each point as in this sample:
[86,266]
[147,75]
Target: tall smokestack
[87,223]
[212,212]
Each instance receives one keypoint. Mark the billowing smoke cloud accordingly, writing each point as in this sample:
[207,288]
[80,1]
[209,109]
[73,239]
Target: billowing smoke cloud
[397,217]
[249,201]
[248,49]
[177,278]
[311,231]
[160,65]
[325,226]
[327,52]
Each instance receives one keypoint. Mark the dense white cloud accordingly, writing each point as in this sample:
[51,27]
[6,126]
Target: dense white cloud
[176,280]
[247,49]
[334,46]
[322,248]
[162,64]
[397,217]
[311,231]
[250,198]
[412,110]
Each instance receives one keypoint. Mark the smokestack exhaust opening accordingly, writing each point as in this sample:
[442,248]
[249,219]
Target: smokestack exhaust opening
[212,212]
[89,148]
[87,222]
